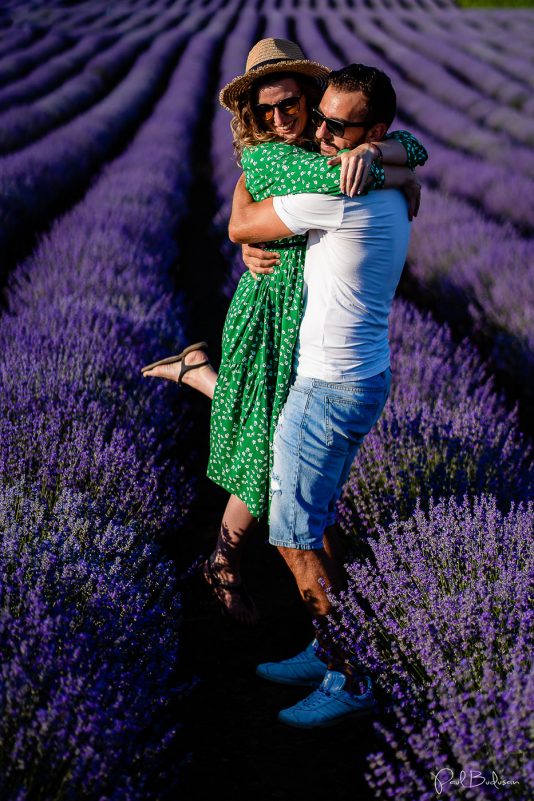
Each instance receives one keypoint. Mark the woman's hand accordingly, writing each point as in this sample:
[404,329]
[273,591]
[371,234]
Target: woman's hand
[412,191]
[355,166]
[258,260]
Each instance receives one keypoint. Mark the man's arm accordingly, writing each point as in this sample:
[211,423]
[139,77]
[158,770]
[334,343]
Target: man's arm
[254,221]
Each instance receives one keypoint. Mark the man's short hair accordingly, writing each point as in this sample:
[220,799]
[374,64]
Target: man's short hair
[375,85]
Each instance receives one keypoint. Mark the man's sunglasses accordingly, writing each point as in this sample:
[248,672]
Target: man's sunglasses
[290,106]
[337,127]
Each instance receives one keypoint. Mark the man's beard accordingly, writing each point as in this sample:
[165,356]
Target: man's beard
[327,149]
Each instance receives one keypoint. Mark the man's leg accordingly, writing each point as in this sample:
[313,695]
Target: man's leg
[319,434]
[316,571]
[317,438]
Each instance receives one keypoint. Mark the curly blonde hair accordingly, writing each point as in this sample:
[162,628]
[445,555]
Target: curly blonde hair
[248,131]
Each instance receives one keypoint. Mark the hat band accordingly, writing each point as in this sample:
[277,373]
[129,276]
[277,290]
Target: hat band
[272,61]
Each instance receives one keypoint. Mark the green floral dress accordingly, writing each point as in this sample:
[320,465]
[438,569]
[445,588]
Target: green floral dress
[262,325]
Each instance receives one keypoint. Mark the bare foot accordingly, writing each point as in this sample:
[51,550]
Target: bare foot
[231,594]
[202,379]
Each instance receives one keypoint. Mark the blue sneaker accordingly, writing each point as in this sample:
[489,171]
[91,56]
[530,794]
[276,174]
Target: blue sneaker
[329,705]
[304,669]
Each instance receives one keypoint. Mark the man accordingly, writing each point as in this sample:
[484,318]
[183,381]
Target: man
[355,255]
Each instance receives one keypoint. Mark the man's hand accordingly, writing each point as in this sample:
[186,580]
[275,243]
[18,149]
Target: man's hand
[412,191]
[258,260]
[355,166]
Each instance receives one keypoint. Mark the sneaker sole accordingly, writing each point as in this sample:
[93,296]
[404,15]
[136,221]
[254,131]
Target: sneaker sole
[296,683]
[359,713]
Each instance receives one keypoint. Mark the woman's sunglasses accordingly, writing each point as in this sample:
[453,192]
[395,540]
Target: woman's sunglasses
[336,127]
[290,106]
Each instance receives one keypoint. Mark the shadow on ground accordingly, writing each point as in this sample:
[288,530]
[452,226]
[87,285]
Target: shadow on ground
[239,750]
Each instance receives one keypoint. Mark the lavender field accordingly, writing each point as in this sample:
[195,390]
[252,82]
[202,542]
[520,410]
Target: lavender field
[116,178]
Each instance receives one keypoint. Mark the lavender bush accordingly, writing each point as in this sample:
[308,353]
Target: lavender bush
[473,272]
[89,620]
[54,72]
[13,66]
[36,182]
[16,39]
[443,432]
[447,635]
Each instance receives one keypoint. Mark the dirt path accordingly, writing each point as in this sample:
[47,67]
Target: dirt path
[239,750]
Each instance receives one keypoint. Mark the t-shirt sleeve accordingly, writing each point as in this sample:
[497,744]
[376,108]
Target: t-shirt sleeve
[304,212]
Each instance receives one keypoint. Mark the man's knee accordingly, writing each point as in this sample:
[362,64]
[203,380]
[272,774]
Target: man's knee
[289,555]
[303,558]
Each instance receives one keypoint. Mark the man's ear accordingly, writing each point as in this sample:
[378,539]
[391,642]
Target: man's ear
[377,132]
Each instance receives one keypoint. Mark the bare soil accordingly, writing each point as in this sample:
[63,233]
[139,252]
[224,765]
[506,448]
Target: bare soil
[238,748]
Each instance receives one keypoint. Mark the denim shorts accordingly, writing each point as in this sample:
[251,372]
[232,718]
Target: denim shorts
[318,435]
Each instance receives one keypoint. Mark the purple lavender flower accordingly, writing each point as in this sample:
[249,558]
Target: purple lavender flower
[89,622]
[447,635]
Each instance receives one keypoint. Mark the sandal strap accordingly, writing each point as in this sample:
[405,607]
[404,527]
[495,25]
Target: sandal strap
[186,367]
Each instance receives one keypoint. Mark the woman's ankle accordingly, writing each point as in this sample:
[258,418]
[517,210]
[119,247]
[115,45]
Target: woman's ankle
[202,379]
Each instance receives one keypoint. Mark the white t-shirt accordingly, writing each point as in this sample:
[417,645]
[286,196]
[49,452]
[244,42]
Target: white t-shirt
[355,254]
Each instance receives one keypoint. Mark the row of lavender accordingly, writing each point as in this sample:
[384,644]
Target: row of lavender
[56,91]
[27,22]
[91,473]
[447,638]
[42,179]
[470,268]
[447,634]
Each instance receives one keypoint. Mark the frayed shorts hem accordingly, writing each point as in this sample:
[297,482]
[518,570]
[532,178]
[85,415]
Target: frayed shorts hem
[297,546]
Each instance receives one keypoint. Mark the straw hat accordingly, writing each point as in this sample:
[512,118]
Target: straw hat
[270,55]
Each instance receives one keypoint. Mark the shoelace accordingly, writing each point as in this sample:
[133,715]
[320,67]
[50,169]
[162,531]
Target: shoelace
[315,699]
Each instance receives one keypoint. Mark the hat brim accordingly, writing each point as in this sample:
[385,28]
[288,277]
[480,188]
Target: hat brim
[230,94]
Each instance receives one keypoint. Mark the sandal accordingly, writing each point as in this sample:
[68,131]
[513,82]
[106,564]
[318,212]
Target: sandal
[214,583]
[180,357]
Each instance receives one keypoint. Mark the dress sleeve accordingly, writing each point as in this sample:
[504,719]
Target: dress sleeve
[416,154]
[276,168]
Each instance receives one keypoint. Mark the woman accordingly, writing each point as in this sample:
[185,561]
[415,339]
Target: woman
[273,136]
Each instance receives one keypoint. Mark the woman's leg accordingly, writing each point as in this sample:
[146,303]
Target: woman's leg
[225,561]
[202,379]
[237,522]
